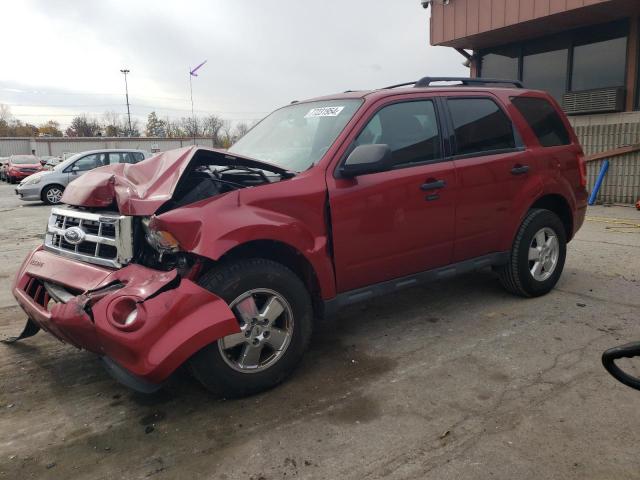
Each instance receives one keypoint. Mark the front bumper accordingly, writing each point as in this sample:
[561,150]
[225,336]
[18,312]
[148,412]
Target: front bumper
[176,317]
[29,192]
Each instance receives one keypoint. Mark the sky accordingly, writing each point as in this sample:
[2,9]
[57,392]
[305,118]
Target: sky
[261,54]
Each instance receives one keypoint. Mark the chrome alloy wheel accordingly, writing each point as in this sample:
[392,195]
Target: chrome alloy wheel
[266,327]
[544,252]
[54,195]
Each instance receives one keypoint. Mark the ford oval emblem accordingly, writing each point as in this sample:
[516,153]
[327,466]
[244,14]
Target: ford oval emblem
[74,235]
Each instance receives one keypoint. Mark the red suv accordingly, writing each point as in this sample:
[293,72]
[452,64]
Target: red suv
[223,259]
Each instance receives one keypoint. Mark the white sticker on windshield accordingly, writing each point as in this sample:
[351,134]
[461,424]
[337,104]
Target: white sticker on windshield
[324,112]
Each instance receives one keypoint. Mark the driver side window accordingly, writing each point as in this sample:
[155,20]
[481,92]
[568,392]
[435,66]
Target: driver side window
[409,128]
[89,162]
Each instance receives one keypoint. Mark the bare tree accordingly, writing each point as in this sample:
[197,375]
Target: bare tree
[241,129]
[5,113]
[112,124]
[211,127]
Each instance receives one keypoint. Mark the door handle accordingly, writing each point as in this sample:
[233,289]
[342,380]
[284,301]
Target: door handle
[433,185]
[520,169]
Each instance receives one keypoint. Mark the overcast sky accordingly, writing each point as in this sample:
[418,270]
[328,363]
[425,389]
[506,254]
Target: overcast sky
[63,57]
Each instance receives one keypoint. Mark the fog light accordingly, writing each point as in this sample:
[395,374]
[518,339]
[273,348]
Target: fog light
[125,314]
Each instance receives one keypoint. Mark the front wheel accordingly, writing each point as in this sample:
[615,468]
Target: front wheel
[275,316]
[537,257]
[52,194]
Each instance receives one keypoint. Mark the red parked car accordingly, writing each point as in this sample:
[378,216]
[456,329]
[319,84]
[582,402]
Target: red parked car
[223,259]
[21,166]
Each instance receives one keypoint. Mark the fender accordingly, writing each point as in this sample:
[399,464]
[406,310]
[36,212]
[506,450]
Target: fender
[213,227]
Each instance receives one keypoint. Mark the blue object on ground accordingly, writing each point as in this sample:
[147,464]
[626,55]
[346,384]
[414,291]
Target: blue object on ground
[596,187]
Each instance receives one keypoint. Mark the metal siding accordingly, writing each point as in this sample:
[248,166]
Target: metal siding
[14,146]
[599,133]
[484,15]
[57,147]
[463,18]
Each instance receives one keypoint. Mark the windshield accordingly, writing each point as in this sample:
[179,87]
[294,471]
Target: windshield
[297,136]
[63,165]
[24,160]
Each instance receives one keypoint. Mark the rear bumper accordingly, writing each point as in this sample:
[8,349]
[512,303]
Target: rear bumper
[176,317]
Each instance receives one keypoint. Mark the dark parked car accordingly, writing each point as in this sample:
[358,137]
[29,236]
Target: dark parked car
[223,259]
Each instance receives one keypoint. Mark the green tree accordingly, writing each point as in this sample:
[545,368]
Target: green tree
[81,126]
[155,126]
[50,128]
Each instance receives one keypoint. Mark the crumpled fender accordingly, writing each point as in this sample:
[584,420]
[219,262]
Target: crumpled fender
[213,227]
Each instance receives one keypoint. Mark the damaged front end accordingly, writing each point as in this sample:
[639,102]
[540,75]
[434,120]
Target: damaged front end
[109,279]
[144,323]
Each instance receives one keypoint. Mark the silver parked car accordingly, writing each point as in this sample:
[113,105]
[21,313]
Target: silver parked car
[48,185]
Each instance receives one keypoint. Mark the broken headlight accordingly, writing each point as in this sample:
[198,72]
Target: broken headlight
[161,241]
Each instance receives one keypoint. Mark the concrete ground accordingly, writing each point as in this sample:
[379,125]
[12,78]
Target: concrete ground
[456,380]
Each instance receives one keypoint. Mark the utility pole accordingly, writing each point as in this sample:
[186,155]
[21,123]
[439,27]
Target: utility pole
[126,88]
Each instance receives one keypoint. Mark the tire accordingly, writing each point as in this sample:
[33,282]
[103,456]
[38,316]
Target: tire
[11,180]
[522,275]
[48,194]
[216,367]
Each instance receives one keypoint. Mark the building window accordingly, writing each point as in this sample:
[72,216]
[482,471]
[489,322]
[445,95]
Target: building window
[577,60]
[546,69]
[501,63]
[599,65]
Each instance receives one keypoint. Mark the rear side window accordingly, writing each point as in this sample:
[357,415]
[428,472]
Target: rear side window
[410,129]
[543,120]
[480,126]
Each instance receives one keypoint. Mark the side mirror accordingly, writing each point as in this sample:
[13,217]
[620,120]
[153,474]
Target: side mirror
[43,162]
[367,159]
[75,169]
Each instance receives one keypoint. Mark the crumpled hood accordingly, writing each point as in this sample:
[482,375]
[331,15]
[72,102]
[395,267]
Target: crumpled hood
[137,189]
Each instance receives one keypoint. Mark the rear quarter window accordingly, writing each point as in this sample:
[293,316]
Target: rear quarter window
[544,120]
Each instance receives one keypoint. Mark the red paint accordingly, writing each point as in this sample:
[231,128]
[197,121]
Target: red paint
[176,323]
[382,228]
[16,172]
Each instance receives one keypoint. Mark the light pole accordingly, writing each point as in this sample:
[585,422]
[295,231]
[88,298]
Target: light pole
[126,88]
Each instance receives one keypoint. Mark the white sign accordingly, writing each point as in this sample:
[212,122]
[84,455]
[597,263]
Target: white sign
[324,112]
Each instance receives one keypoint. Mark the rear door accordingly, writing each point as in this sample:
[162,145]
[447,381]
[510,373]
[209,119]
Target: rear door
[492,166]
[390,224]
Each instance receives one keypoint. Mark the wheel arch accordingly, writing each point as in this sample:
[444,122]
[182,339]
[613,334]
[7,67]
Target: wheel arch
[560,206]
[48,185]
[286,255]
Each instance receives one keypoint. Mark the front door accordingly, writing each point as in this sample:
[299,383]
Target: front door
[390,224]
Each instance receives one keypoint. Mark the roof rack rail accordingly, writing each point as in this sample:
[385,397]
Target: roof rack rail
[464,81]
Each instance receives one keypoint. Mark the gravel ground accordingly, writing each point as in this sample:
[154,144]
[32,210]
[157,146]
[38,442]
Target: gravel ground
[455,380]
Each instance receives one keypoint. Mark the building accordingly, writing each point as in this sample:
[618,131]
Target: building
[584,52]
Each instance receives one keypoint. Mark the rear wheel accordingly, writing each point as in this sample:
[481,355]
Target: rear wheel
[537,257]
[52,194]
[275,316]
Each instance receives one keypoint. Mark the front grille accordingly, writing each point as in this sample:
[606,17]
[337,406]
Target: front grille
[28,170]
[101,238]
